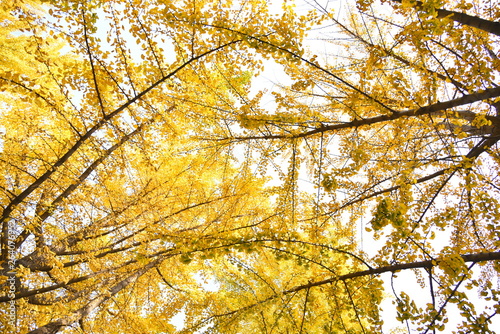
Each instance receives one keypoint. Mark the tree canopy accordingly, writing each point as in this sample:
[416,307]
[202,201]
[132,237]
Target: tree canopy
[147,175]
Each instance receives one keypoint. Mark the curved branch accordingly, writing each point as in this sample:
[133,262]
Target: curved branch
[319,245]
[474,258]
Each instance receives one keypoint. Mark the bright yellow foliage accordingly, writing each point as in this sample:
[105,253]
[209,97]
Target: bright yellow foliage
[144,179]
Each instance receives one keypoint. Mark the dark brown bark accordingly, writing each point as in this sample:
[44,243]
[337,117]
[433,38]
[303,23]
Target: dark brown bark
[471,21]
[427,110]
[478,257]
[491,27]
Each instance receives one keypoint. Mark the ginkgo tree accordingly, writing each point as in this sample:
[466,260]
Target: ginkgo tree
[399,133]
[102,184]
[138,164]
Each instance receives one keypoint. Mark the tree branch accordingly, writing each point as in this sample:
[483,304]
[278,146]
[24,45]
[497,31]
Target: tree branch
[33,186]
[54,326]
[474,258]
[491,27]
[430,109]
